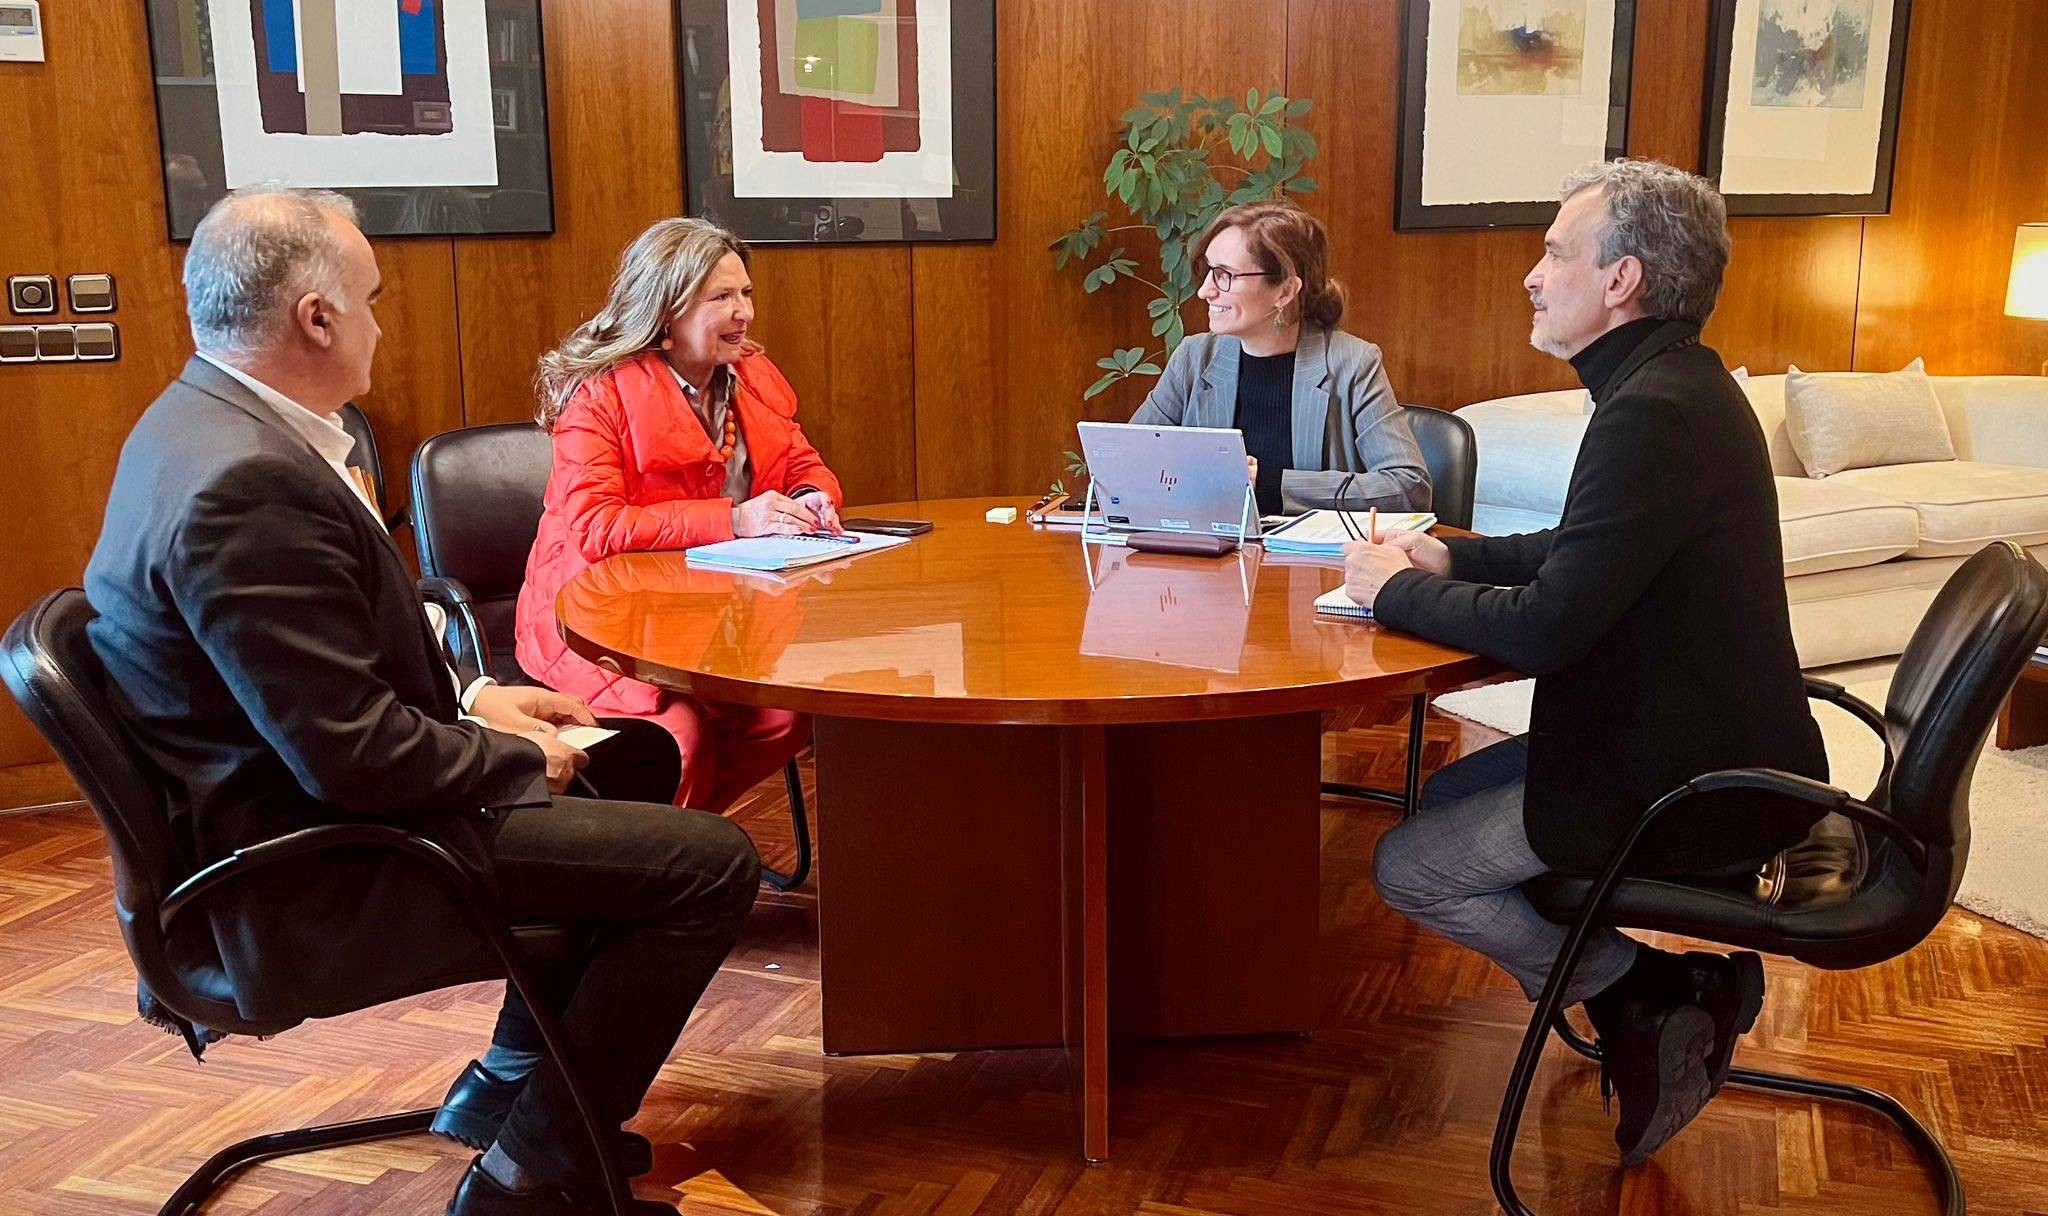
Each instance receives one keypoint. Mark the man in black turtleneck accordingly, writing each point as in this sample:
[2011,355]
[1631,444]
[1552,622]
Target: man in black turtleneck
[1654,619]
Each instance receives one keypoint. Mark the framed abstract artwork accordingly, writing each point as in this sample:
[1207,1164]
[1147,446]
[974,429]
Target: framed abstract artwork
[1802,109]
[430,114]
[1500,99]
[840,120]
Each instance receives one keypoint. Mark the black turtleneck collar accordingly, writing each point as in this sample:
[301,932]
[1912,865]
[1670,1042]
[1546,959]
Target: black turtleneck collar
[1604,356]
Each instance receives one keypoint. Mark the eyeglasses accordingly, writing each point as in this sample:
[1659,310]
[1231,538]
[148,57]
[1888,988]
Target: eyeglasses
[1224,278]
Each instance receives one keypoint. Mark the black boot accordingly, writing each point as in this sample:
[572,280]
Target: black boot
[1654,1054]
[478,1102]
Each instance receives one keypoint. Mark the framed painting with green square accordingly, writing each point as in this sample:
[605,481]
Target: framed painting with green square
[833,121]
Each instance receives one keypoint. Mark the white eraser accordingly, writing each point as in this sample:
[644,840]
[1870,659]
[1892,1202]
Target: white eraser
[1002,515]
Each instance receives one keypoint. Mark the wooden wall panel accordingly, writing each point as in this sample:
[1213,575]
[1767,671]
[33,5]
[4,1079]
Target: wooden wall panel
[617,168]
[416,383]
[838,324]
[1004,347]
[82,192]
[1973,165]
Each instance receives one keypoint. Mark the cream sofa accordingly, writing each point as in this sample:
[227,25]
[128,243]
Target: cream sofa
[1865,549]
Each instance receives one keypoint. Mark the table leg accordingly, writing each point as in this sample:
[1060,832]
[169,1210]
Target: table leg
[982,880]
[1084,937]
[2023,719]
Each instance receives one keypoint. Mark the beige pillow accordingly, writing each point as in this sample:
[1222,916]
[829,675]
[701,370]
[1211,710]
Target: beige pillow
[1839,422]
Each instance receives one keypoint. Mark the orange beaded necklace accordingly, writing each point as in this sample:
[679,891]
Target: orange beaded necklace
[732,433]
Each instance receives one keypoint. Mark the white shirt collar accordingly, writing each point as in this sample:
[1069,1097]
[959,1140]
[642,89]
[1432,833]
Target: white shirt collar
[329,438]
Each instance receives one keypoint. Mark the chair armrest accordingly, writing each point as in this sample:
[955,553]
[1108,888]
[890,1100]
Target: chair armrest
[1817,793]
[462,635]
[1872,717]
[243,862]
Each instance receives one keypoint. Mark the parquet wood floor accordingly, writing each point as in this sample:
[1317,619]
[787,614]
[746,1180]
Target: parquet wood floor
[1386,1109]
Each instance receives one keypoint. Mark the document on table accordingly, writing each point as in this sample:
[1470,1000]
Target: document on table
[788,552]
[1328,532]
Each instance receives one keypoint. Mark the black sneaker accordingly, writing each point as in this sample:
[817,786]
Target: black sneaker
[1653,1055]
[1730,987]
[478,1102]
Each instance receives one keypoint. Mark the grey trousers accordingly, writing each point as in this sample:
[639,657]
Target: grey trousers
[1457,867]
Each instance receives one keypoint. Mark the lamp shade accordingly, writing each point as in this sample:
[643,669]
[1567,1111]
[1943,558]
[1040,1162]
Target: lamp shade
[2027,294]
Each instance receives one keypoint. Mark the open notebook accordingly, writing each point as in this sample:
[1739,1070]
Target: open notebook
[788,552]
[1335,603]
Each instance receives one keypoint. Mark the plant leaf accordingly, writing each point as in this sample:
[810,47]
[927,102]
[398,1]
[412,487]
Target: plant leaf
[1302,185]
[1147,369]
[1095,389]
[1270,137]
[1298,107]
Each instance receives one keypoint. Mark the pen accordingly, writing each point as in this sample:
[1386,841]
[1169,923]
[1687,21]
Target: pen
[1372,525]
[837,540]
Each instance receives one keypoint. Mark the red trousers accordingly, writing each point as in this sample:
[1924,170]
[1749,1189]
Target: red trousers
[728,749]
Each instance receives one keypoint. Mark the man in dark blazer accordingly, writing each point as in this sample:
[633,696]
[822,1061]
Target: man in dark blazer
[269,650]
[1654,619]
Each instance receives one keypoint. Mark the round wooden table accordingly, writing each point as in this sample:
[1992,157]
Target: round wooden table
[1066,793]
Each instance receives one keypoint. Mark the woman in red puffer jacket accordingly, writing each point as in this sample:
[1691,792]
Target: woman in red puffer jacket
[671,429]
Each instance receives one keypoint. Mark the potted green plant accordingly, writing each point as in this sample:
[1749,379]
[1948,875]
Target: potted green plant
[1183,158]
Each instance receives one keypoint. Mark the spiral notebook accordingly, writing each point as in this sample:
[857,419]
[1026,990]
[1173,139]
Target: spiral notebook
[1337,604]
[788,552]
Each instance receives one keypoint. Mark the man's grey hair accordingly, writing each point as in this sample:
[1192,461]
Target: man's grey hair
[258,251]
[1675,223]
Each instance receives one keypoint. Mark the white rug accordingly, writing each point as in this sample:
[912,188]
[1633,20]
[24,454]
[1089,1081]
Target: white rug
[2007,875]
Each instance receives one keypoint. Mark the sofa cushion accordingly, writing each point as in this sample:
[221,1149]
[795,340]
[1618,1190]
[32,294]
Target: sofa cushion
[1839,422]
[1828,525]
[1527,447]
[1963,504]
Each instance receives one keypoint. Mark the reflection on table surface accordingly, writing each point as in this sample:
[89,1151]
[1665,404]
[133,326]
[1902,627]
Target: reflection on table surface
[1157,608]
[993,618]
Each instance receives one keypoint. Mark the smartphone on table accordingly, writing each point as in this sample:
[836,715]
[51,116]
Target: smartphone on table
[887,527]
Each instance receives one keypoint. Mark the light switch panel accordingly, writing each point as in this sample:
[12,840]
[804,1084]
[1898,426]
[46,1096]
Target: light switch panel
[99,341]
[30,294]
[17,344]
[56,343]
[91,292]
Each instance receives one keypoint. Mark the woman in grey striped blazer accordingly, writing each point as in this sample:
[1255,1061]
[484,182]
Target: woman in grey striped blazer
[1319,417]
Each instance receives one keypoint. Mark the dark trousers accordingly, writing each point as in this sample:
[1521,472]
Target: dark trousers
[664,893]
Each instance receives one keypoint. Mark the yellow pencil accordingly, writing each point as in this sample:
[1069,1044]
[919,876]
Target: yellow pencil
[1372,525]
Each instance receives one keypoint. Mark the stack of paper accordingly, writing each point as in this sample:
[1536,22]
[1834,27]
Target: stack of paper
[1328,532]
[788,552]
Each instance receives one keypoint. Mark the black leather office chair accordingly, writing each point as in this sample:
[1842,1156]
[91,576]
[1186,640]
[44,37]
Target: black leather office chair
[1450,451]
[365,456]
[476,496]
[1875,876]
[58,682]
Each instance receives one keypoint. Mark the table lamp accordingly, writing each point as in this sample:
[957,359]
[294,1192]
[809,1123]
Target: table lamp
[2027,293]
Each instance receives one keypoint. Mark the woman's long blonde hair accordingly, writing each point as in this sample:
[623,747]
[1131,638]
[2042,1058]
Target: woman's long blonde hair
[660,273]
